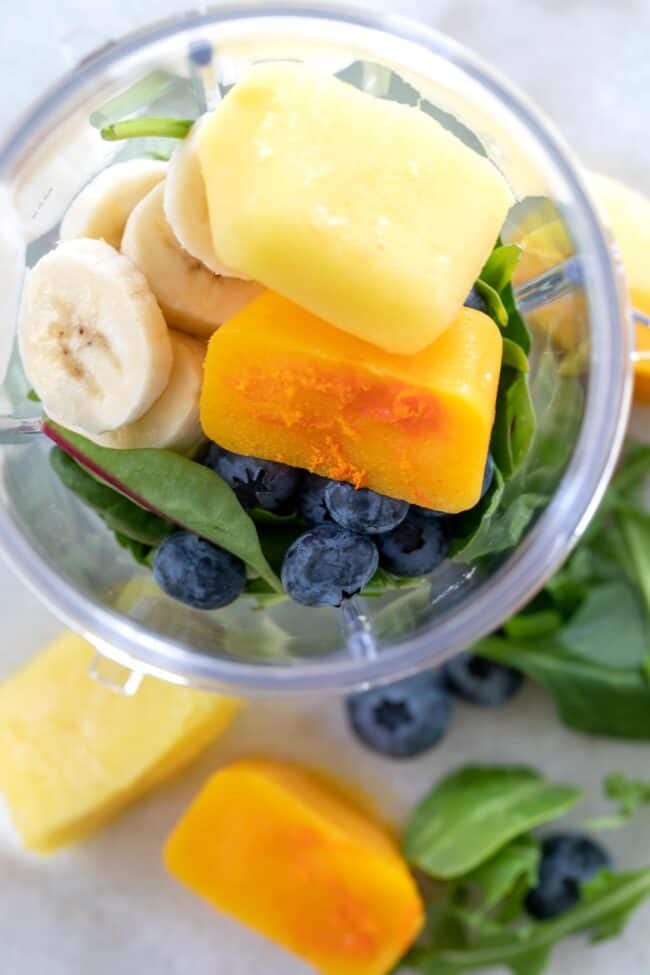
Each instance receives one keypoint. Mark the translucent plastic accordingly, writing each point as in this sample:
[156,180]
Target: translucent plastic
[63,551]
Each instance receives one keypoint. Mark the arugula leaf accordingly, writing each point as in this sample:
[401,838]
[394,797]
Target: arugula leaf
[629,794]
[590,697]
[503,874]
[472,813]
[175,488]
[126,519]
[606,903]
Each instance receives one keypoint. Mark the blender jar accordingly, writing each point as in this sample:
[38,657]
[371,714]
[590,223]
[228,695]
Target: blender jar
[580,361]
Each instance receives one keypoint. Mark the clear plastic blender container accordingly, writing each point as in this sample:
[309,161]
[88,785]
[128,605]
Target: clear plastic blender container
[181,67]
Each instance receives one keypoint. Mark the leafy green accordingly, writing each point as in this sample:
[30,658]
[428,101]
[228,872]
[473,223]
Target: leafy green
[500,265]
[629,795]
[606,903]
[492,298]
[128,520]
[143,554]
[509,873]
[472,813]
[514,356]
[514,423]
[523,626]
[594,631]
[33,396]
[175,488]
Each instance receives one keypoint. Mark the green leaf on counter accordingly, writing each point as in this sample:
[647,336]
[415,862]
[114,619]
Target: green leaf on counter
[590,697]
[629,794]
[510,872]
[526,626]
[474,812]
[175,488]
[122,516]
[608,628]
[606,904]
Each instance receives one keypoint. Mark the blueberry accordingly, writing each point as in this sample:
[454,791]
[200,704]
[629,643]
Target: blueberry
[567,860]
[415,547]
[416,509]
[328,564]
[363,510]
[311,503]
[402,719]
[257,483]
[476,300]
[488,476]
[480,681]
[197,572]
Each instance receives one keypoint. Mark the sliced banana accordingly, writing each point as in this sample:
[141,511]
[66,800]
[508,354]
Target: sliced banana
[192,298]
[103,206]
[186,205]
[92,338]
[173,421]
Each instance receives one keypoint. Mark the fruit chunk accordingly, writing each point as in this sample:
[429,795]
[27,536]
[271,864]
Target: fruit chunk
[368,213]
[289,855]
[74,753]
[629,215]
[191,297]
[283,384]
[103,206]
[92,338]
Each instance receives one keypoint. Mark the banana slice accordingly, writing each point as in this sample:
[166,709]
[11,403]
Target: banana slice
[192,298]
[103,206]
[173,421]
[92,338]
[186,205]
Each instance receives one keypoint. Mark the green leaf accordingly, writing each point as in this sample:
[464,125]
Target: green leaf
[472,813]
[492,298]
[606,904]
[531,625]
[383,583]
[141,553]
[514,356]
[514,424]
[590,697]
[629,795]
[499,876]
[634,527]
[123,517]
[609,611]
[517,328]
[175,488]
[33,396]
[500,265]
[472,530]
[135,128]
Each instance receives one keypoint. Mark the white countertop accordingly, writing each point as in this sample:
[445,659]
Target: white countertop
[108,906]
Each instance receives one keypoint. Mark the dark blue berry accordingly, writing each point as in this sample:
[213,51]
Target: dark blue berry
[327,565]
[415,547]
[197,572]
[476,300]
[488,476]
[311,502]
[402,719]
[416,509]
[257,483]
[201,53]
[567,861]
[363,510]
[481,681]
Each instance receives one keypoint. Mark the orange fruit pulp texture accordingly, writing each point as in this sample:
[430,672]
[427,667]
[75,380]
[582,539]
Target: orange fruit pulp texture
[282,384]
[289,855]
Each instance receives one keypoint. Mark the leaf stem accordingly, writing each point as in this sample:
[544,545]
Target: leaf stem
[133,128]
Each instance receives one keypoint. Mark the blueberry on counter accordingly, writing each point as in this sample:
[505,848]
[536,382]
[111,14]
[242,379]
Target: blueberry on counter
[476,300]
[327,565]
[480,681]
[257,483]
[363,510]
[198,573]
[567,860]
[311,501]
[415,547]
[404,719]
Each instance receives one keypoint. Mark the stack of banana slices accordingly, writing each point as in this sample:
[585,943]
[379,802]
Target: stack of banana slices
[114,321]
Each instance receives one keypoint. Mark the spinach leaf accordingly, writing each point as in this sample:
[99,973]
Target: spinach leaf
[126,519]
[629,795]
[143,554]
[511,871]
[590,697]
[606,903]
[33,396]
[514,356]
[474,812]
[610,610]
[514,423]
[525,626]
[500,265]
[492,298]
[174,488]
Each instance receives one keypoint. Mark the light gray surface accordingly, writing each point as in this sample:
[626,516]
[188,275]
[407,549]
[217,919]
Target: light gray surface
[109,906]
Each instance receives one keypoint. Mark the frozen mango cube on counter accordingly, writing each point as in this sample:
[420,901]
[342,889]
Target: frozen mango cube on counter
[368,213]
[289,855]
[284,385]
[75,752]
